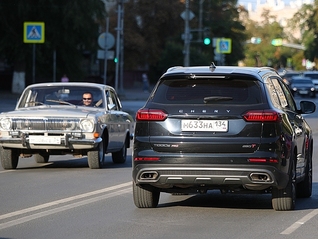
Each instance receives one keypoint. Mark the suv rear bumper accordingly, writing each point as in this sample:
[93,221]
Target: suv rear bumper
[168,176]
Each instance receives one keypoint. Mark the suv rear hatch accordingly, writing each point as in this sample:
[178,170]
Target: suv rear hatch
[205,116]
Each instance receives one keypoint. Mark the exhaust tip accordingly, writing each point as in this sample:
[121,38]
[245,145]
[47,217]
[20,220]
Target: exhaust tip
[150,175]
[260,177]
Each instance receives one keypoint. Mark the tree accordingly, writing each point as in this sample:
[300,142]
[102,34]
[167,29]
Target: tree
[153,30]
[71,29]
[264,53]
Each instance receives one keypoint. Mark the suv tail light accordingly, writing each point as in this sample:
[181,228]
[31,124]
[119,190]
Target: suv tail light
[262,116]
[151,115]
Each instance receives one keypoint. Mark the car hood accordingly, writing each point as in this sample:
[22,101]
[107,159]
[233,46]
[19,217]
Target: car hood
[58,112]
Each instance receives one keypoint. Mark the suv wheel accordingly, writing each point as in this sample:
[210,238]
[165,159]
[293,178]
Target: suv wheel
[285,199]
[304,188]
[145,198]
[9,158]
[95,157]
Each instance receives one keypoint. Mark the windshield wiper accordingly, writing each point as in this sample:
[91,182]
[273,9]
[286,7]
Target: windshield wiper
[216,98]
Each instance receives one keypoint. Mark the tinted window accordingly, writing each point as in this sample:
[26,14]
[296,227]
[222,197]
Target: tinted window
[194,91]
[311,75]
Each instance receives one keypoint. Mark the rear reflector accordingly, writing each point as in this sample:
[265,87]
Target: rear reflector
[262,160]
[151,115]
[262,116]
[146,159]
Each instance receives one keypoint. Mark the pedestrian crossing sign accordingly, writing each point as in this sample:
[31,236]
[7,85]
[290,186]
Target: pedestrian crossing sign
[33,32]
[224,45]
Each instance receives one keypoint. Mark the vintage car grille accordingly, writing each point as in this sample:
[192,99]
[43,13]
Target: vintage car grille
[45,124]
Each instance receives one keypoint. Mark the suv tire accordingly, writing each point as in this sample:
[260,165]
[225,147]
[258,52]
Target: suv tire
[285,199]
[145,198]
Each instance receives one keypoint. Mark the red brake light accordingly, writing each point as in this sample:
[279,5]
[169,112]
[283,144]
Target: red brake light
[151,115]
[146,159]
[262,160]
[262,116]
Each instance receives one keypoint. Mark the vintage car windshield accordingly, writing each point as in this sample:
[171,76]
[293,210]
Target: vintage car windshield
[60,95]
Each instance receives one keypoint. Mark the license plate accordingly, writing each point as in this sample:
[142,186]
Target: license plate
[303,92]
[204,125]
[44,140]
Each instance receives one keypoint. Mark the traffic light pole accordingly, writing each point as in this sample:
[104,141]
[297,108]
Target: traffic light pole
[186,35]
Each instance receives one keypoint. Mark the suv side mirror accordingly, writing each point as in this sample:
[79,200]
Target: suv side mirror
[307,107]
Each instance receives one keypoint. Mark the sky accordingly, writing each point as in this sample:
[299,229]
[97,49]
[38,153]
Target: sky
[245,2]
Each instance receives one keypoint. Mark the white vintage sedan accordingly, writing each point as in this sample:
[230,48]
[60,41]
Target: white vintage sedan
[52,119]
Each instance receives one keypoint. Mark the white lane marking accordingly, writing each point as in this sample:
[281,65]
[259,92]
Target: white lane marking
[62,208]
[7,171]
[54,203]
[300,222]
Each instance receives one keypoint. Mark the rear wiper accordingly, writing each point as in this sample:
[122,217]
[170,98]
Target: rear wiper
[217,98]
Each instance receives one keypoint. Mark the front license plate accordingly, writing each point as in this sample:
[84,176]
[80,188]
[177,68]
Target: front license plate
[44,140]
[303,92]
[204,125]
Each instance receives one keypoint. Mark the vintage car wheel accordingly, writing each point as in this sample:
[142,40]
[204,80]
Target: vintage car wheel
[285,199]
[120,156]
[145,198]
[96,157]
[9,158]
[42,157]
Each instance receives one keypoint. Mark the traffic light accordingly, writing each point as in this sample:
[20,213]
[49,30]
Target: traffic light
[207,41]
[277,42]
[115,59]
[256,40]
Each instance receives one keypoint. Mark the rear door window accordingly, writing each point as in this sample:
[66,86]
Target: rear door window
[220,91]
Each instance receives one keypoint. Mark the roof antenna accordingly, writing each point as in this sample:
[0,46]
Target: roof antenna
[212,66]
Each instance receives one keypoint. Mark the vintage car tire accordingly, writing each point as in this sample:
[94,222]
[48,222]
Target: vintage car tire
[285,199]
[9,158]
[96,157]
[145,198]
[120,156]
[41,157]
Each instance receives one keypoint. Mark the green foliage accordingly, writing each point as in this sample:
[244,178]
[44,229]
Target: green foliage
[152,34]
[71,28]
[265,54]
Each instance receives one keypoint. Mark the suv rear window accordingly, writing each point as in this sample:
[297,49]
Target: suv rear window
[184,91]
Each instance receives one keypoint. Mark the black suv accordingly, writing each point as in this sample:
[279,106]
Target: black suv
[235,129]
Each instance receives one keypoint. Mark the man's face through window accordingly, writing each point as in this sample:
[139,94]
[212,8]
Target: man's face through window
[87,99]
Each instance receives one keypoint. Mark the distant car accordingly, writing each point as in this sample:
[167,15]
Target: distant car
[314,77]
[302,86]
[233,129]
[51,119]
[287,76]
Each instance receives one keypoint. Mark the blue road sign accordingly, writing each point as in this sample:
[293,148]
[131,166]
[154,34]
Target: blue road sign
[33,32]
[224,45]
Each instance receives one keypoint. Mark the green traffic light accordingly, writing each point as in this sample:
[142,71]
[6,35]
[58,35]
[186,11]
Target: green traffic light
[207,41]
[115,60]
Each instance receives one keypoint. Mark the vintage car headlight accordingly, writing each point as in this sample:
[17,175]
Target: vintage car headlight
[5,124]
[87,125]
